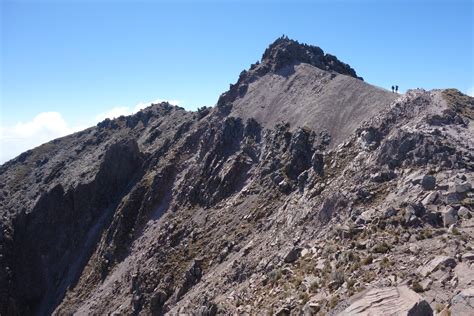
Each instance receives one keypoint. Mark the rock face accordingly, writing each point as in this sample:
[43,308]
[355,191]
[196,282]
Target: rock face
[302,187]
[390,301]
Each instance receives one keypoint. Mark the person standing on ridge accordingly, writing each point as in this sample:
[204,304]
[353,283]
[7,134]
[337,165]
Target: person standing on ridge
[396,89]
[392,89]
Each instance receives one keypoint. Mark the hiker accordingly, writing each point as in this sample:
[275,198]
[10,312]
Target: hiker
[396,89]
[392,89]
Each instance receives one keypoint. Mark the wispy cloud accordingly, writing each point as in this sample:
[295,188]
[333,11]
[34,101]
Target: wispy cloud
[470,91]
[22,136]
[47,126]
[128,110]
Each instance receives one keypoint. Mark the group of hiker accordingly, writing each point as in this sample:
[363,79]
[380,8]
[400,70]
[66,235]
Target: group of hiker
[395,89]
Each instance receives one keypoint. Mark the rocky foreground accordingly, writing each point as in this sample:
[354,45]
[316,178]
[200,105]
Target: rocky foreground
[304,191]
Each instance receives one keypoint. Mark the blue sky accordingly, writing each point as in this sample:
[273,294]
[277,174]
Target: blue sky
[86,59]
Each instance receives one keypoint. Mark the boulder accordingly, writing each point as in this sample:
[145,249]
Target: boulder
[430,198]
[428,182]
[426,284]
[292,255]
[436,262]
[389,301]
[383,176]
[367,216]
[462,187]
[433,218]
[463,212]
[451,198]
[449,216]
[463,303]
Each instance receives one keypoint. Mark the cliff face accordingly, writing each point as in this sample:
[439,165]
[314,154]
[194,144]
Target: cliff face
[301,188]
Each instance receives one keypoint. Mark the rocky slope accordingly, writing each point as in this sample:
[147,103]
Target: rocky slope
[304,191]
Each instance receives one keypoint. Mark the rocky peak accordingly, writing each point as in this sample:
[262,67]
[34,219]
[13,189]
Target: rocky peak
[280,55]
[284,52]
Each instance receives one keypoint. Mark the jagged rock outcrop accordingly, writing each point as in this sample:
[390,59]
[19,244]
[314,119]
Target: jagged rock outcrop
[302,187]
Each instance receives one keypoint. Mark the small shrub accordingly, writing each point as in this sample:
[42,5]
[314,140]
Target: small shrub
[368,260]
[385,263]
[313,288]
[416,286]
[304,297]
[439,307]
[381,248]
[333,302]
[355,267]
[274,276]
[350,283]
[297,281]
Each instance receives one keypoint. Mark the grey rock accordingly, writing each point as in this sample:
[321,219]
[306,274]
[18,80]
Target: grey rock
[389,301]
[426,284]
[390,212]
[430,198]
[464,212]
[293,255]
[463,187]
[451,198]
[436,262]
[383,176]
[463,303]
[428,182]
[449,216]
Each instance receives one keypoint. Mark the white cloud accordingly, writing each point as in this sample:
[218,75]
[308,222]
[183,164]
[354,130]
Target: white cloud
[113,113]
[23,136]
[470,92]
[127,110]
[47,126]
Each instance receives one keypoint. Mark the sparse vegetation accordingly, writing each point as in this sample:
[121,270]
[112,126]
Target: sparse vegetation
[274,276]
[368,260]
[416,286]
[314,286]
[381,248]
[439,307]
[385,262]
[333,302]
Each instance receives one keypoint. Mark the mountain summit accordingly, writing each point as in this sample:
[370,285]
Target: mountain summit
[305,190]
[299,84]
[286,52]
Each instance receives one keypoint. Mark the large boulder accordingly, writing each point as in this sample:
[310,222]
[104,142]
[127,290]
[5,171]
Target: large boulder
[292,255]
[449,216]
[428,182]
[389,301]
[462,187]
[436,262]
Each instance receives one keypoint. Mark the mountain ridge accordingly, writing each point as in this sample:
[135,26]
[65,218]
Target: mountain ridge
[232,210]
